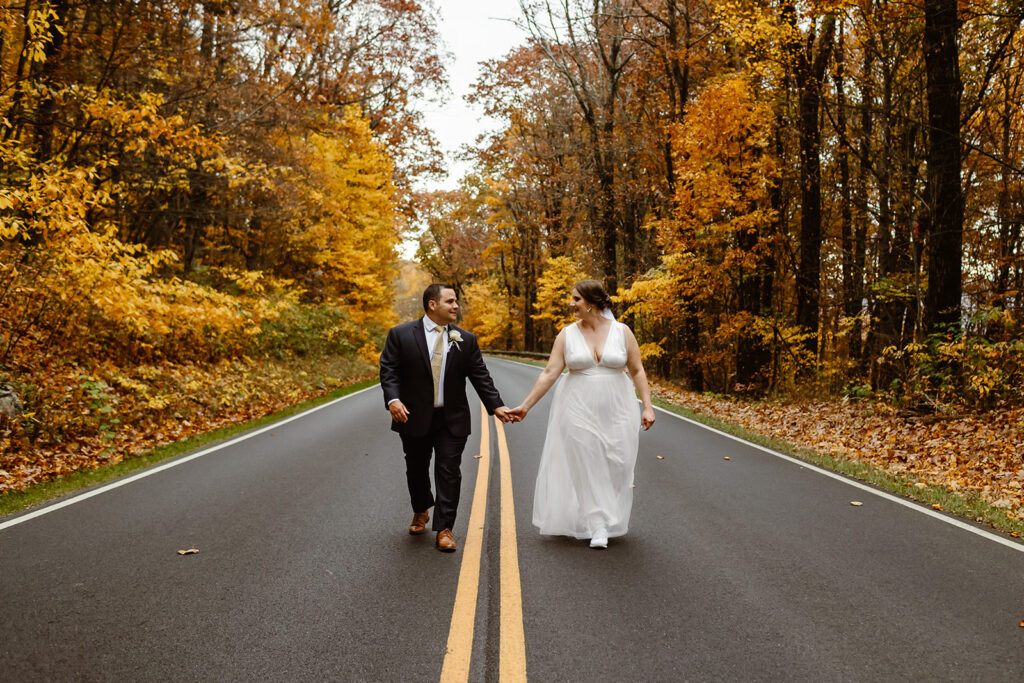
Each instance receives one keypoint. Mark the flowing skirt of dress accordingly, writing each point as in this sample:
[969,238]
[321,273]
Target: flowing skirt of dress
[585,480]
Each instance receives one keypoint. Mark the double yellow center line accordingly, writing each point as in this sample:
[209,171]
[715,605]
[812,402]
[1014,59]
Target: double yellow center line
[512,646]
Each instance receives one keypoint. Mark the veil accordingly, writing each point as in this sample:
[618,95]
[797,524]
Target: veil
[607,313]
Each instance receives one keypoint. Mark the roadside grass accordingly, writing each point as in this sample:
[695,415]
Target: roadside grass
[968,505]
[17,501]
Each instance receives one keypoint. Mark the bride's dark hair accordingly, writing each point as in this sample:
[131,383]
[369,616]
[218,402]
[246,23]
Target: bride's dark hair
[593,293]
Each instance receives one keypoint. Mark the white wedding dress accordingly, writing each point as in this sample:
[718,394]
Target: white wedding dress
[585,481]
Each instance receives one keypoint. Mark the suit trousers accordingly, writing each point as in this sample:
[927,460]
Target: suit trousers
[447,452]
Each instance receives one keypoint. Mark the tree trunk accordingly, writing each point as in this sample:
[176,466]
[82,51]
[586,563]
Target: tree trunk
[691,342]
[883,315]
[809,71]
[752,355]
[944,190]
[609,235]
[860,201]
[1009,226]
[46,113]
[851,295]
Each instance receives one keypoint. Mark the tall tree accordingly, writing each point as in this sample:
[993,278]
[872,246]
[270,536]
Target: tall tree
[944,189]
[589,46]
[810,59]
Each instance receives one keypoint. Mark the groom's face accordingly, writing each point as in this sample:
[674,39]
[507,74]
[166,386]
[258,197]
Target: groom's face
[446,309]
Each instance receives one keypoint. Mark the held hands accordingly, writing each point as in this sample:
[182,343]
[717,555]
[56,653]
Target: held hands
[505,415]
[399,413]
[518,414]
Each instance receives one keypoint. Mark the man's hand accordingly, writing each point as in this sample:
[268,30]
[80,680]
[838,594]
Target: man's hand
[398,412]
[504,415]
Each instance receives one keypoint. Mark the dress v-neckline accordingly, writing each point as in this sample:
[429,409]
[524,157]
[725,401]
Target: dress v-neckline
[607,336]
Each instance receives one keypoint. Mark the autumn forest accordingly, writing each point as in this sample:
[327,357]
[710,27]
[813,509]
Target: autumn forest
[203,205]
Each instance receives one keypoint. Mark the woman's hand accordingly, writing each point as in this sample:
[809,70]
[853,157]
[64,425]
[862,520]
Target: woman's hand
[518,413]
[647,418]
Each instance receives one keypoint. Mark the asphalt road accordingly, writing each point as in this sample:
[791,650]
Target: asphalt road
[752,568]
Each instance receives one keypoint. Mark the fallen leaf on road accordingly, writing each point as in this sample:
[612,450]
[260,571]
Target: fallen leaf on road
[661,457]
[856,503]
[1015,534]
[478,456]
[190,551]
[936,507]
[727,458]
[1021,624]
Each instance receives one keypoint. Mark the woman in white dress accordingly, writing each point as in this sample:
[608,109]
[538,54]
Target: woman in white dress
[585,482]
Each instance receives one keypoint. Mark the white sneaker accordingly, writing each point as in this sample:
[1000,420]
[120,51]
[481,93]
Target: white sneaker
[599,539]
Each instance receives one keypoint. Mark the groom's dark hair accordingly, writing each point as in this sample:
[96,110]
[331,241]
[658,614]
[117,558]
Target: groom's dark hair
[433,293]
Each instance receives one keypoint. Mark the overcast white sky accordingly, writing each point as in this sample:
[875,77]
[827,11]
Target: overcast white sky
[473,31]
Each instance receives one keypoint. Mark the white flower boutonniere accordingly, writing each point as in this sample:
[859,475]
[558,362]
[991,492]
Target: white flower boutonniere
[454,338]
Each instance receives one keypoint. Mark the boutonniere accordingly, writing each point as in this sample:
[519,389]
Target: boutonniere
[454,338]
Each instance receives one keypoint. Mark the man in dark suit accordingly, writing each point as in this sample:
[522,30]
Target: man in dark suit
[423,372]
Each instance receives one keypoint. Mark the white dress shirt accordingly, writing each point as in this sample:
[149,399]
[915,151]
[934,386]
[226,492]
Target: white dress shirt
[429,329]
[431,336]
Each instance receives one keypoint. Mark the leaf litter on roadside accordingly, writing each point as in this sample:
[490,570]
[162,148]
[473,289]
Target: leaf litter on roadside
[977,453]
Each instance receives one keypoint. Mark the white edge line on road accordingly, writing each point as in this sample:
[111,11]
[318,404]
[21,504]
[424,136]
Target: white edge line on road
[860,485]
[1019,547]
[174,463]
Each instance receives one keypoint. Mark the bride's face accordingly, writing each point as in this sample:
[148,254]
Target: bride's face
[577,304]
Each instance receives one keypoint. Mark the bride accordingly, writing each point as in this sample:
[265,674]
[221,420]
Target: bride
[585,482]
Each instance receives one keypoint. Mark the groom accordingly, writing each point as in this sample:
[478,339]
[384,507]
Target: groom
[423,372]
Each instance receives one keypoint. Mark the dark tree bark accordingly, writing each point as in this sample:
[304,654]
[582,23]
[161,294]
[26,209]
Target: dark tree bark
[810,62]
[851,289]
[690,334]
[47,110]
[1009,225]
[944,189]
[752,355]
[860,200]
[590,51]
[883,311]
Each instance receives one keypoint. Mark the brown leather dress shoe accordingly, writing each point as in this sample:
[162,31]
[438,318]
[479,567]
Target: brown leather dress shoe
[445,541]
[419,522]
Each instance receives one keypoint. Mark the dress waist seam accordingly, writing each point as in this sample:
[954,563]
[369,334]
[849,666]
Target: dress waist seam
[598,370]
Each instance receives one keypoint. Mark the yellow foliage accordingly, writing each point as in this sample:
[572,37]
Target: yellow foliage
[553,289]
[718,232]
[369,353]
[345,217]
[652,350]
[489,315]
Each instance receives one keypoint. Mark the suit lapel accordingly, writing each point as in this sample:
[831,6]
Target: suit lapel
[452,350]
[421,343]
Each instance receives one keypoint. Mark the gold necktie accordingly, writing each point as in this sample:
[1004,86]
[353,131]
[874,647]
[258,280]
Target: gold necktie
[435,360]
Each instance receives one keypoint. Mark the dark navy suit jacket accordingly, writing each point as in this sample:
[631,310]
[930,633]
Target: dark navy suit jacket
[405,375]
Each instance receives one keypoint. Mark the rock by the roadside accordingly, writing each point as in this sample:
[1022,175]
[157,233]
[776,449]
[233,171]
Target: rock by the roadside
[10,404]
